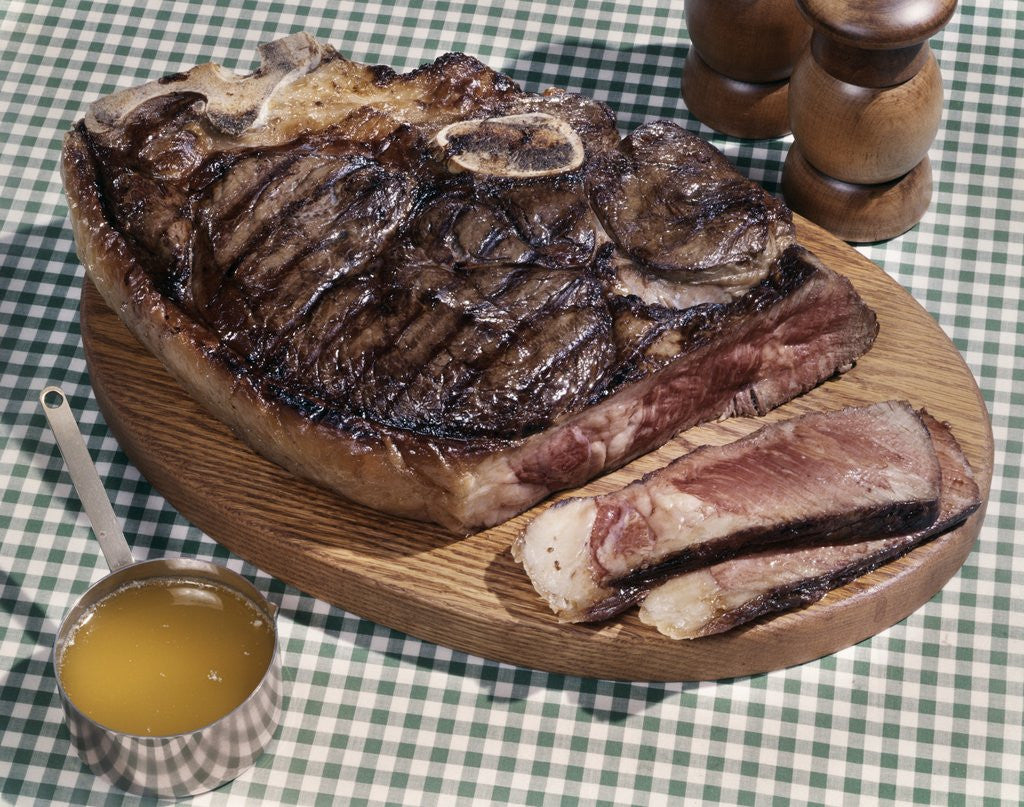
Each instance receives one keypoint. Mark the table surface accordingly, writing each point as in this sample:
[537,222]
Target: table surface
[928,711]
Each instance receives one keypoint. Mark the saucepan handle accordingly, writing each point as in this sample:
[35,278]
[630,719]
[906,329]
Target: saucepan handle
[85,478]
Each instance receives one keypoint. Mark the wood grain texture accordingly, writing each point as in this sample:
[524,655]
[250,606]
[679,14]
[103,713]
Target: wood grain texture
[856,213]
[469,594]
[757,41]
[868,68]
[878,23]
[735,77]
[733,107]
[865,104]
[864,134]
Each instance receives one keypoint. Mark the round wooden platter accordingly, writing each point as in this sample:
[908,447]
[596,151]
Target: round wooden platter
[468,594]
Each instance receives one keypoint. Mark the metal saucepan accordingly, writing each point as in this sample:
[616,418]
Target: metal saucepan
[173,765]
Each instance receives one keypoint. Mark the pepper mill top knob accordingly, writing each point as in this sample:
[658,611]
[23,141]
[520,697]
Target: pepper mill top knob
[878,24]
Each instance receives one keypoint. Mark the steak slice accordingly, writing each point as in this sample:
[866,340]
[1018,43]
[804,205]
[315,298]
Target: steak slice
[423,291]
[727,594]
[831,476]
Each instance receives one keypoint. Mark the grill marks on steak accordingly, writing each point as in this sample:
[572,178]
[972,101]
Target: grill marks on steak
[282,241]
[498,359]
[479,337]
[295,264]
[366,276]
[142,177]
[673,203]
[825,476]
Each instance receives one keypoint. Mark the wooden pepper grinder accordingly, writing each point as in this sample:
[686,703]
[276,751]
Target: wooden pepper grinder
[865,103]
[736,74]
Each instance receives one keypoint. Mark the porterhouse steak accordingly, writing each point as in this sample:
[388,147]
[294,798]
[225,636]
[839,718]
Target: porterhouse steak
[435,293]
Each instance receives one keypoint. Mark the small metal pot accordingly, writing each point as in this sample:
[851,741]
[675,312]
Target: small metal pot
[173,765]
[176,765]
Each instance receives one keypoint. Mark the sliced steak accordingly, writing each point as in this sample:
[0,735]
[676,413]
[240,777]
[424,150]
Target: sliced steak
[721,596]
[437,294]
[833,476]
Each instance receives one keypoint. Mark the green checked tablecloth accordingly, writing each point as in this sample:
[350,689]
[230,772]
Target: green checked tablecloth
[927,712]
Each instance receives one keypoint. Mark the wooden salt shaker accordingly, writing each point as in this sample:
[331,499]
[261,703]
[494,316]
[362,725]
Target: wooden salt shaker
[865,104]
[736,74]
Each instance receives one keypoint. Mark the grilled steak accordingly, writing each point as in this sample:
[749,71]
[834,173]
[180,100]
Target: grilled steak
[437,294]
[831,476]
[720,597]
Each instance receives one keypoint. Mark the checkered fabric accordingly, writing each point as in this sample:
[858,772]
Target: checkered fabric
[927,712]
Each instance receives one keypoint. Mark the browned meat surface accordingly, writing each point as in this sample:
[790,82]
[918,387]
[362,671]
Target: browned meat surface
[438,294]
[833,476]
[672,202]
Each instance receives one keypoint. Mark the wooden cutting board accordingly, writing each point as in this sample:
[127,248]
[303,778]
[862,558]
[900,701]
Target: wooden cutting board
[469,594]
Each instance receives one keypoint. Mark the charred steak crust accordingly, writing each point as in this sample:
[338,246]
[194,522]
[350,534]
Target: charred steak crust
[674,203]
[332,260]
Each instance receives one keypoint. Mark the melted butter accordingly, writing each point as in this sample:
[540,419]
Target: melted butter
[166,656]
